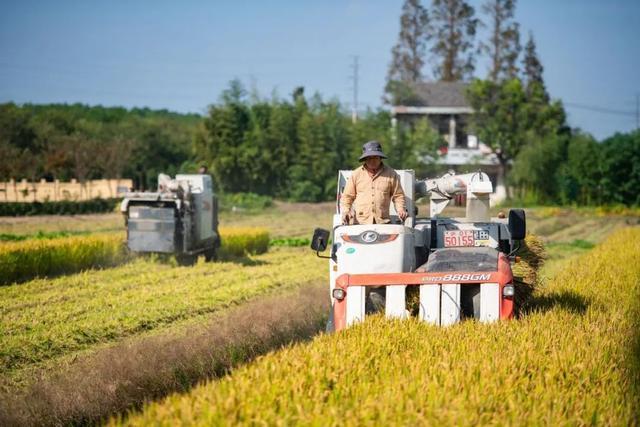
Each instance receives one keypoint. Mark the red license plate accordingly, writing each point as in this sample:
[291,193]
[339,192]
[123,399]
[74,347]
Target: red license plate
[453,238]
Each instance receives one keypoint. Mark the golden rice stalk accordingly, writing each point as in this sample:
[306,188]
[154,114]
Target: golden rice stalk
[24,260]
[240,241]
[525,273]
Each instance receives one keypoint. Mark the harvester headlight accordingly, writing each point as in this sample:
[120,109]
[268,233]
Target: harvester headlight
[508,291]
[339,294]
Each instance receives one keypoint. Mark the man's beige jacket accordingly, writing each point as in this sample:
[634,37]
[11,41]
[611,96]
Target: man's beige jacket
[371,197]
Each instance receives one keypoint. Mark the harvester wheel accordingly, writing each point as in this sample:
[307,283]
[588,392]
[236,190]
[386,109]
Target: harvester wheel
[210,255]
[186,259]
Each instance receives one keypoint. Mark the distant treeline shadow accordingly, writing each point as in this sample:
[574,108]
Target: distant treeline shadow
[566,300]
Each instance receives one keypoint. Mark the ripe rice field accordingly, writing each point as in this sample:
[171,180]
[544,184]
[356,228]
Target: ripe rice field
[29,258]
[34,257]
[48,323]
[49,318]
[574,359]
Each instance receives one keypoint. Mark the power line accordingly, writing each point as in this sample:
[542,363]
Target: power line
[604,110]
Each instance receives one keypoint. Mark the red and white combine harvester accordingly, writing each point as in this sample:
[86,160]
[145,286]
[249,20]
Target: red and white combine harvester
[461,265]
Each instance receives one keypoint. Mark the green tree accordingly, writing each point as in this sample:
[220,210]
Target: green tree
[533,70]
[323,149]
[159,148]
[283,142]
[453,29]
[255,154]
[538,172]
[408,55]
[507,118]
[77,141]
[499,118]
[415,146]
[18,141]
[503,46]
[621,169]
[219,141]
[583,170]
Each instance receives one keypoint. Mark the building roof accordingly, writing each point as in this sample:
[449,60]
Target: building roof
[431,98]
[441,94]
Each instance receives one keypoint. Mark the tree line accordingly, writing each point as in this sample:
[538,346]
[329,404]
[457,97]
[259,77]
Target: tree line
[292,148]
[286,148]
[77,141]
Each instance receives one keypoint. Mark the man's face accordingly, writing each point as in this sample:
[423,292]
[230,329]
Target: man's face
[373,162]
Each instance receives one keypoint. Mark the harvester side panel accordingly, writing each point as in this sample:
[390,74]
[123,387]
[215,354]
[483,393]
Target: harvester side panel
[395,302]
[430,304]
[489,302]
[202,194]
[450,304]
[356,304]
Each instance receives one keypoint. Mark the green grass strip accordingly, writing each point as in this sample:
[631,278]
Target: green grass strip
[290,242]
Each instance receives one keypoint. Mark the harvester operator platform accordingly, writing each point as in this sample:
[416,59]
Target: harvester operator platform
[371,189]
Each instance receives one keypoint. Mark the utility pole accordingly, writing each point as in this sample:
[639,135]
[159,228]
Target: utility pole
[354,77]
[637,111]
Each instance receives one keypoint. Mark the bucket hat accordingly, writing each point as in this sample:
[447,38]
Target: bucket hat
[370,149]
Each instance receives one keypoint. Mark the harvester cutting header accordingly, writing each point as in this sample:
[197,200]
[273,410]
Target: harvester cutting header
[462,266]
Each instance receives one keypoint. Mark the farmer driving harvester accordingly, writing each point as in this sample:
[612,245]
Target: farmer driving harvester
[369,191]
[371,188]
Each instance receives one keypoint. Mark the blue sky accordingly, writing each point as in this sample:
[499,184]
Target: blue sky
[181,55]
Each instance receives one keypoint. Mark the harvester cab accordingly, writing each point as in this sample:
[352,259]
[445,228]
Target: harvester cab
[460,266]
[181,218]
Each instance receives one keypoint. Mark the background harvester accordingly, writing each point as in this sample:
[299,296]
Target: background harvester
[180,218]
[462,266]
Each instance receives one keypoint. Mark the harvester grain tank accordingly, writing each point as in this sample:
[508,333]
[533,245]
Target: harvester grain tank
[462,266]
[181,218]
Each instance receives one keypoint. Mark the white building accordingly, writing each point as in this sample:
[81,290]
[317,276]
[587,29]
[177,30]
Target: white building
[445,106]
